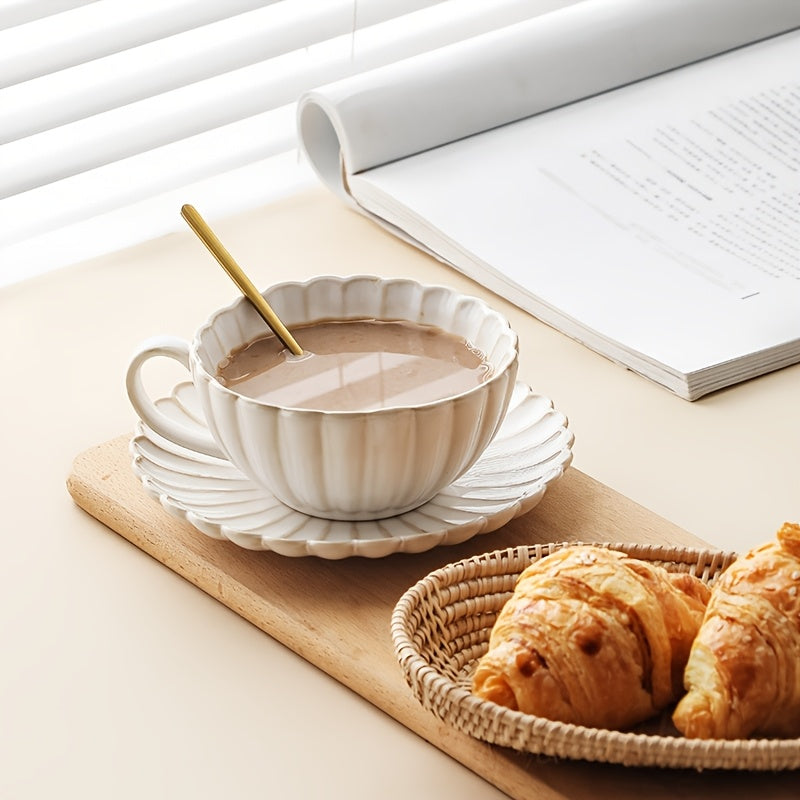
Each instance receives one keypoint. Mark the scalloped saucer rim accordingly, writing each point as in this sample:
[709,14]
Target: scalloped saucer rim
[218,500]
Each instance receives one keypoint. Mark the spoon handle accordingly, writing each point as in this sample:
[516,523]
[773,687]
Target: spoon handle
[226,260]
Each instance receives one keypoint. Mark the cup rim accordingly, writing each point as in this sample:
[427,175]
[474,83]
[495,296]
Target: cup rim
[218,386]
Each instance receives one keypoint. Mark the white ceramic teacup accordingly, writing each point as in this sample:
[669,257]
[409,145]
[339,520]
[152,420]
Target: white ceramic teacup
[351,465]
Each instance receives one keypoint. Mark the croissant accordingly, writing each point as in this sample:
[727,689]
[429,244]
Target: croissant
[743,674]
[593,637]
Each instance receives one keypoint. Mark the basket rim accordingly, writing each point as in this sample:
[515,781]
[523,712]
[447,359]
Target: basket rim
[496,724]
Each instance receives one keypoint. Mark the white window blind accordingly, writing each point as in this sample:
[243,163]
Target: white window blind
[115,113]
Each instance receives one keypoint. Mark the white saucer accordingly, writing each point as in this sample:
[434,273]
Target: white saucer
[531,450]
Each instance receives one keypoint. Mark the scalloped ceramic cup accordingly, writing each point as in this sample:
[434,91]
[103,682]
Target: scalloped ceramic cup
[346,465]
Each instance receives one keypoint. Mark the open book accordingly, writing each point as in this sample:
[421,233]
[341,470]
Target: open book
[626,171]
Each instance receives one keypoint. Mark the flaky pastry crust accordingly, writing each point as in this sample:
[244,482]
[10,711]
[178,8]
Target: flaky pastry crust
[743,674]
[592,637]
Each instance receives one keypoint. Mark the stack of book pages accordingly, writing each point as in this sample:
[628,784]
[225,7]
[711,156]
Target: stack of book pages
[626,171]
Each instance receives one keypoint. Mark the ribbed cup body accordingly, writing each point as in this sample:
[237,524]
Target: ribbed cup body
[357,465]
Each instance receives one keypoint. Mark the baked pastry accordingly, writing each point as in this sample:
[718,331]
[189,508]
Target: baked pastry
[594,637]
[743,675]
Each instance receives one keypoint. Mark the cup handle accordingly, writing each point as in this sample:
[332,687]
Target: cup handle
[149,412]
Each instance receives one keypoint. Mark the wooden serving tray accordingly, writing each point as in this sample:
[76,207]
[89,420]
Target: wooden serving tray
[343,626]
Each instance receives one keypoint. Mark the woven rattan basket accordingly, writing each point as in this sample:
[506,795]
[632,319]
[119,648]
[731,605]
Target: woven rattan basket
[441,627]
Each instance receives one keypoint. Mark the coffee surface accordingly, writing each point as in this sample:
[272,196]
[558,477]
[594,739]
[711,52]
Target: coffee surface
[355,365]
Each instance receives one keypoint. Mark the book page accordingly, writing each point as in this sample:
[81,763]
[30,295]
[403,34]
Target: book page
[716,190]
[541,63]
[661,216]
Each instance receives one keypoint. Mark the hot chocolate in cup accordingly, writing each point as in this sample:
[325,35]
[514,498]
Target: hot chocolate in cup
[345,451]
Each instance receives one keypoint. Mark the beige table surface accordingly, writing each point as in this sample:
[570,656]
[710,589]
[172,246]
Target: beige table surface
[120,679]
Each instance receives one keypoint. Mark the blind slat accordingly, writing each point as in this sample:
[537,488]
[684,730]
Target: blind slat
[133,179]
[18,12]
[156,67]
[71,37]
[168,117]
[114,113]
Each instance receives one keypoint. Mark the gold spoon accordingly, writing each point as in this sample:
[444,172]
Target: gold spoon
[217,249]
